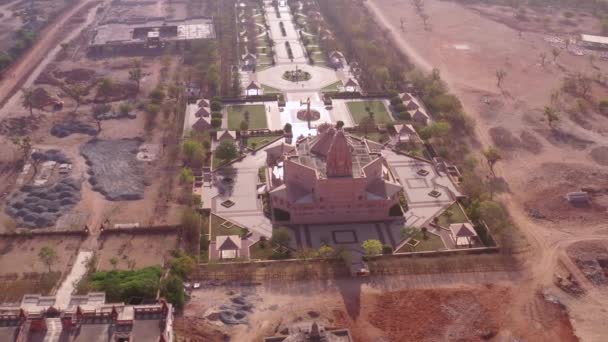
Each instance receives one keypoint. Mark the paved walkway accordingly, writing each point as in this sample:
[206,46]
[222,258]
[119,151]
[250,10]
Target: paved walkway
[79,269]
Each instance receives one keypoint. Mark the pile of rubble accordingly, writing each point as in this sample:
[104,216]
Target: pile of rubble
[114,169]
[41,206]
[64,129]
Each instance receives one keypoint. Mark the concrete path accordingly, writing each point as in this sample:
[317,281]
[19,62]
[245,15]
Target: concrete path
[69,284]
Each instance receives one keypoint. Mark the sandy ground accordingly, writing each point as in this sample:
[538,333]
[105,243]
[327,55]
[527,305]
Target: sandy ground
[20,255]
[135,251]
[417,308]
[468,48]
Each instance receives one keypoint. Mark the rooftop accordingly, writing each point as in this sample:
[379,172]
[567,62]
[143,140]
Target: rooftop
[313,151]
[187,29]
[588,38]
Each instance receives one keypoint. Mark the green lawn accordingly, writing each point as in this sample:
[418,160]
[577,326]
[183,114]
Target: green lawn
[375,136]
[332,87]
[220,227]
[270,90]
[457,216]
[261,250]
[257,116]
[431,243]
[260,141]
[357,110]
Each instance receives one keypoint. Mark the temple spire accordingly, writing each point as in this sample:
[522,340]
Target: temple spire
[339,157]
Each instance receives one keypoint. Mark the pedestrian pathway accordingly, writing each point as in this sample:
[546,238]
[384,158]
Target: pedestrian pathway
[79,269]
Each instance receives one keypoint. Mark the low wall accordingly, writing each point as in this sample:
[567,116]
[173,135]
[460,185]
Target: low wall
[143,230]
[287,270]
[42,232]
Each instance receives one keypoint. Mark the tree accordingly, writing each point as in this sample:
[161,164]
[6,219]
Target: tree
[500,76]
[25,145]
[492,155]
[372,247]
[493,214]
[226,150]
[543,58]
[186,176]
[76,92]
[367,124]
[193,150]
[244,125]
[28,99]
[183,266]
[555,52]
[114,262]
[104,89]
[287,128]
[48,256]
[136,73]
[326,251]
[424,231]
[339,124]
[172,288]
[280,236]
[124,108]
[551,116]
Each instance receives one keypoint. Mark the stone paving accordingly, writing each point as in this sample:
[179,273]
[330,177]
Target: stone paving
[417,186]
[321,77]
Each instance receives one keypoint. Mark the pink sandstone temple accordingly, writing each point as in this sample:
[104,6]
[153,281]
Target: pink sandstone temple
[331,178]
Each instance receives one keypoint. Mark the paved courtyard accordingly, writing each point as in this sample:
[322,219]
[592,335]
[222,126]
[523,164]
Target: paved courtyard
[320,77]
[419,179]
[242,191]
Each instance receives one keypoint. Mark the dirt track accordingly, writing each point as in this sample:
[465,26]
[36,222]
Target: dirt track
[15,76]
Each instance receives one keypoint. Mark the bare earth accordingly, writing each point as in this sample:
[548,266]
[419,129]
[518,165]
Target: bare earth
[467,45]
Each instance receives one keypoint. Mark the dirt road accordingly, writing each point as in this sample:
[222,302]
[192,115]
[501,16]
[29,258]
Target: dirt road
[15,76]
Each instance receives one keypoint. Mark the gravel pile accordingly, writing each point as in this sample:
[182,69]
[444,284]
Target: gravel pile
[113,168]
[41,206]
[235,312]
[48,155]
[64,129]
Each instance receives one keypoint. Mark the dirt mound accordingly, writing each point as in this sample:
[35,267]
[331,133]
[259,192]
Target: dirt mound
[41,206]
[114,169]
[503,139]
[118,92]
[530,143]
[23,125]
[194,329]
[547,189]
[77,75]
[600,155]
[592,259]
[67,128]
[558,138]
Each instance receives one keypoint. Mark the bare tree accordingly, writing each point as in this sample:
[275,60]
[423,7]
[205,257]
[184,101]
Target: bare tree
[500,76]
[25,145]
[492,155]
[551,115]
[48,256]
[543,58]
[28,99]
[76,92]
[555,52]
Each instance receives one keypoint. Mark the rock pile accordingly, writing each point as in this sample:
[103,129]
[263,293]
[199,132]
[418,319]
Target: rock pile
[53,155]
[64,129]
[114,169]
[41,206]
